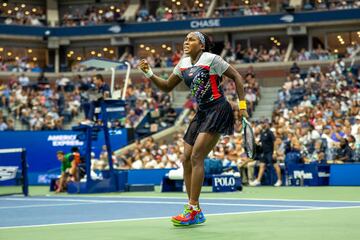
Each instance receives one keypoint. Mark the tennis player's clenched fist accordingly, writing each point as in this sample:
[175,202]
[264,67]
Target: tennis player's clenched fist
[145,68]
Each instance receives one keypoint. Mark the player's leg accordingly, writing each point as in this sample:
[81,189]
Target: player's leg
[189,140]
[192,214]
[204,143]
[186,161]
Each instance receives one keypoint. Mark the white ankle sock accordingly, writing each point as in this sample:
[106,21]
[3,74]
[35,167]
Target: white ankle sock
[195,207]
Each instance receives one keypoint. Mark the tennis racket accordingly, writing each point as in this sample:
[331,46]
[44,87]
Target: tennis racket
[249,139]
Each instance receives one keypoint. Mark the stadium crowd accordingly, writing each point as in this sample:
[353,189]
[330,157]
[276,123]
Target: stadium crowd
[238,8]
[84,15]
[331,5]
[22,14]
[93,15]
[324,54]
[19,65]
[241,54]
[44,106]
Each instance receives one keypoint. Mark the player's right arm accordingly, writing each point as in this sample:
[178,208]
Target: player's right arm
[162,84]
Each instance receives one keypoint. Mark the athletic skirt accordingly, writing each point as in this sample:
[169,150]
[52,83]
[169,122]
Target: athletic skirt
[214,117]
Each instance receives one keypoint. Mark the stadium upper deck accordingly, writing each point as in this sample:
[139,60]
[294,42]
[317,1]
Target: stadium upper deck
[115,34]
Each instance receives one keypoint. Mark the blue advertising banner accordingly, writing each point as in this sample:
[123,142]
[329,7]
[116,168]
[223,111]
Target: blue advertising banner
[303,17]
[308,174]
[225,183]
[345,174]
[41,148]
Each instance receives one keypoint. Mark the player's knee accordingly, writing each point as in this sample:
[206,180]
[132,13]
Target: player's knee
[196,159]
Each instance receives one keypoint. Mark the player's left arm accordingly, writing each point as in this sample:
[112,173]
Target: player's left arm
[232,73]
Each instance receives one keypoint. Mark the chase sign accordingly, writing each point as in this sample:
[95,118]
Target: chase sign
[205,23]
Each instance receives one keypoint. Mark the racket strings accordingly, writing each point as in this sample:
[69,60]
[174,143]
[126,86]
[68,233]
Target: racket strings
[249,141]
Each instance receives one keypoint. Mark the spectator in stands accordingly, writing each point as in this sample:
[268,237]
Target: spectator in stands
[267,140]
[317,156]
[295,69]
[344,153]
[3,125]
[24,80]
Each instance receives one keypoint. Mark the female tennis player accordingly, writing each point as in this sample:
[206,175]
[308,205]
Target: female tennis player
[202,73]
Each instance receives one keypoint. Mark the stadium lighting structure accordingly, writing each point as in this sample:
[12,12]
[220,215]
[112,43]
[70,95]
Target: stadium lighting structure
[111,51]
[16,9]
[112,7]
[105,49]
[23,5]
[35,59]
[92,52]
[1,49]
[30,50]
[4,4]
[142,45]
[163,46]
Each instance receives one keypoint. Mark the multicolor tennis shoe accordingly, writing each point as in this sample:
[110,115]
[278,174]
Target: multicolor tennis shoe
[189,217]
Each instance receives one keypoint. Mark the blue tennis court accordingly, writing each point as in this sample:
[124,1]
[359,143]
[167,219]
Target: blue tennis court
[17,212]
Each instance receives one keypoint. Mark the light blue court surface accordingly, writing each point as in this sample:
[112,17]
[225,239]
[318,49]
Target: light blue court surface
[18,212]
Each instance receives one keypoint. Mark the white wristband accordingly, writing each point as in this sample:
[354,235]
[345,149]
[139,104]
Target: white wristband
[149,73]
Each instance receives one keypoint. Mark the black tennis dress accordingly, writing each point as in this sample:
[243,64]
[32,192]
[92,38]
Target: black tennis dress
[214,114]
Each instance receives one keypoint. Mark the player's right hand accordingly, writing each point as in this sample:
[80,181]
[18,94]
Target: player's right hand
[144,66]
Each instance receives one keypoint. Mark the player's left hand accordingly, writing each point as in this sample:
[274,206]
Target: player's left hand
[243,113]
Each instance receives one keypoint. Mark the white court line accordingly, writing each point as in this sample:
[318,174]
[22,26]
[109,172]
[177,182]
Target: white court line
[158,218]
[213,198]
[153,202]
[44,205]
